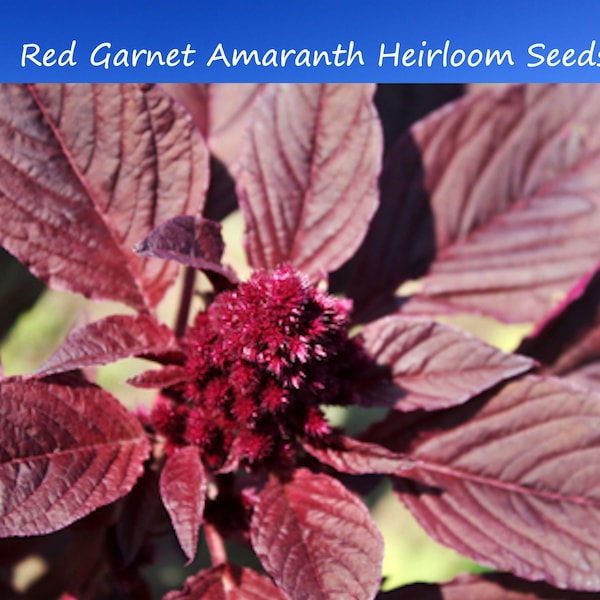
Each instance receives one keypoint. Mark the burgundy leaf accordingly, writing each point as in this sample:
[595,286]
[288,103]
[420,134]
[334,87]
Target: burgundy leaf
[490,586]
[433,366]
[510,480]
[504,187]
[527,204]
[220,111]
[87,171]
[348,455]
[228,582]
[110,339]
[64,452]
[183,484]
[159,378]
[316,539]
[192,241]
[308,183]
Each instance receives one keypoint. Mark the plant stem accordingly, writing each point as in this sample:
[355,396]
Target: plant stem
[185,301]
[216,546]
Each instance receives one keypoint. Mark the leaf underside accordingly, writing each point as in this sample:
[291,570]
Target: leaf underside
[183,484]
[307,185]
[496,198]
[65,450]
[110,339]
[316,539]
[433,366]
[86,171]
[509,480]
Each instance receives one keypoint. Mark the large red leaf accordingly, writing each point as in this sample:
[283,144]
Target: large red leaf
[65,450]
[316,539]
[491,586]
[523,227]
[309,179]
[512,480]
[433,366]
[111,339]
[505,188]
[228,582]
[183,484]
[86,171]
[222,113]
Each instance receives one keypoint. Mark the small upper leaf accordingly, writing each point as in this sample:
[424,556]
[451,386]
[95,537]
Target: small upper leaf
[510,480]
[433,366]
[192,241]
[228,582]
[183,484]
[86,172]
[316,539]
[65,450]
[308,186]
[111,339]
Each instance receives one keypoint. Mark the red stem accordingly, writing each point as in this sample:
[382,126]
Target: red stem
[216,546]
[185,301]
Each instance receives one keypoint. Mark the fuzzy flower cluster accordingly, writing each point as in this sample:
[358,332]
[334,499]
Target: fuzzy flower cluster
[260,362]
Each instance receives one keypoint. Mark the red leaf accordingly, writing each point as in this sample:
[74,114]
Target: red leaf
[159,378]
[348,455]
[228,582]
[87,171]
[316,539]
[515,194]
[433,366]
[504,187]
[192,241]
[490,586]
[65,451]
[110,339]
[183,491]
[308,183]
[220,111]
[511,481]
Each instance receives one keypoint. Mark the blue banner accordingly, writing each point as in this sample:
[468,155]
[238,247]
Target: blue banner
[301,41]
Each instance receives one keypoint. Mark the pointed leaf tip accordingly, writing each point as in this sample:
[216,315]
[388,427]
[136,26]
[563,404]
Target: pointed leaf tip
[183,485]
[316,539]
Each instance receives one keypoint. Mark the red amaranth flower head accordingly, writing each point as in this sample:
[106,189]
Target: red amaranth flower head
[260,361]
